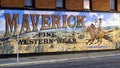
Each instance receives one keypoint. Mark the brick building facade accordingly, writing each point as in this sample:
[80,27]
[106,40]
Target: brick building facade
[12,3]
[102,5]
[45,4]
[118,5]
[74,4]
[95,5]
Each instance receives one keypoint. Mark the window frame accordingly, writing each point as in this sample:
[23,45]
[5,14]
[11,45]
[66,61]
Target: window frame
[29,6]
[89,5]
[63,4]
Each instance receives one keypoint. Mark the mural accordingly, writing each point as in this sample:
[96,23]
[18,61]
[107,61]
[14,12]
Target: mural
[57,31]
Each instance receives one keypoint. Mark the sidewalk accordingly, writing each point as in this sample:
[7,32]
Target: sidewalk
[54,58]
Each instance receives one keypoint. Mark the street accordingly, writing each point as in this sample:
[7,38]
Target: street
[100,62]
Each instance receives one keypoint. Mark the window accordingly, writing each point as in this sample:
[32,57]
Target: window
[59,4]
[28,3]
[86,4]
[112,4]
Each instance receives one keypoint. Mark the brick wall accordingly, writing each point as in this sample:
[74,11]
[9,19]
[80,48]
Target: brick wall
[98,5]
[12,3]
[74,4]
[101,5]
[118,5]
[45,4]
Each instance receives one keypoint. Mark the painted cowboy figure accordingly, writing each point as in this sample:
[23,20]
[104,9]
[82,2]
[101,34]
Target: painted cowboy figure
[98,24]
[93,28]
[100,21]
[97,27]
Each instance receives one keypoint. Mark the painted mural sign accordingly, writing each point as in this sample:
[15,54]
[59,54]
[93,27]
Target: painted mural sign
[57,31]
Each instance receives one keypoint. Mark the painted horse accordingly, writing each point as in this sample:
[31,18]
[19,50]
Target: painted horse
[98,35]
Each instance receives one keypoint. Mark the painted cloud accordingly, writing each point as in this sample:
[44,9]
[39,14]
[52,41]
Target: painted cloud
[2,24]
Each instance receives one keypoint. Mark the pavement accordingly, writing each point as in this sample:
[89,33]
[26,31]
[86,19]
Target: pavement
[55,58]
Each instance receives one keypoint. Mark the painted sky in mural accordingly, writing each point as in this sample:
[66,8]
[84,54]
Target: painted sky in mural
[108,19]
